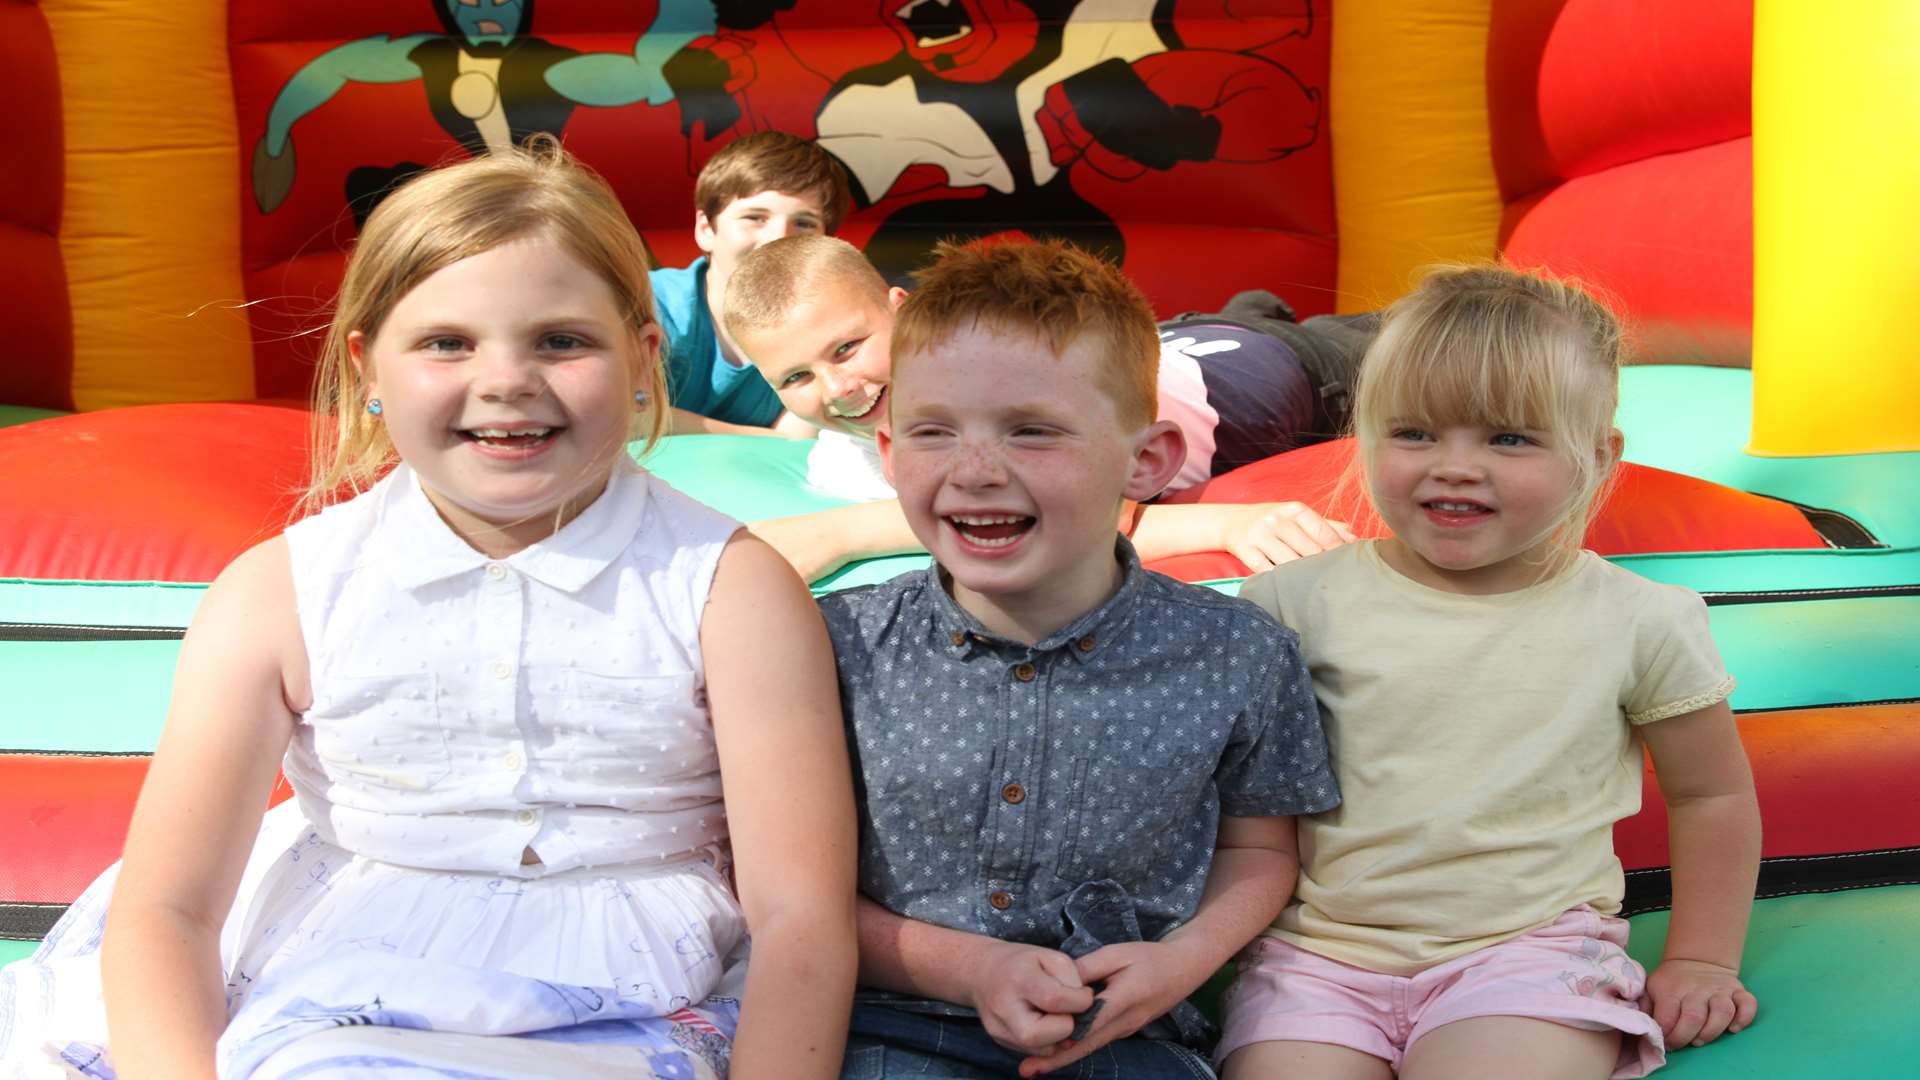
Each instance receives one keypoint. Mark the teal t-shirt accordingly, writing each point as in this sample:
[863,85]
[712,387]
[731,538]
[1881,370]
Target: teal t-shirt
[698,379]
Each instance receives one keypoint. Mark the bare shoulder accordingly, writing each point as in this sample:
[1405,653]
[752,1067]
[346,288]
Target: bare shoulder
[251,617]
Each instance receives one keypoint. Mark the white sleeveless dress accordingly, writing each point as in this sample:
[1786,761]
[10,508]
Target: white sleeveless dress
[466,710]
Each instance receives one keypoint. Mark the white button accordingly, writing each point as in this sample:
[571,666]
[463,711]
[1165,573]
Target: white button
[524,817]
[501,669]
[496,571]
[514,760]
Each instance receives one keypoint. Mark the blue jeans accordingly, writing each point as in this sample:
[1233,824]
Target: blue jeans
[888,1043]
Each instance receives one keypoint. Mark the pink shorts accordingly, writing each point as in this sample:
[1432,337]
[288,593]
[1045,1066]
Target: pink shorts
[1574,971]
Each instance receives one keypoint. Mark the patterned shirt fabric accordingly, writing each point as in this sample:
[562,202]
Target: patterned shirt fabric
[997,776]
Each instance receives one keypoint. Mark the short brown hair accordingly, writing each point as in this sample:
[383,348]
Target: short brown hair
[1047,288]
[773,278]
[773,161]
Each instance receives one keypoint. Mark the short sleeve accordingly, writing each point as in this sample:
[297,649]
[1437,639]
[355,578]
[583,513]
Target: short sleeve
[1680,669]
[1276,762]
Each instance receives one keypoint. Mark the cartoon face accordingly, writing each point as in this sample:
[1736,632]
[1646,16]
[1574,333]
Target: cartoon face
[829,359]
[1470,506]
[506,383]
[966,40]
[486,21]
[1011,463]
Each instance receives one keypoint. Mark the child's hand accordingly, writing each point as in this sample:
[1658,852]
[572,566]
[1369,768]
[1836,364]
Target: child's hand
[1267,534]
[1027,996]
[1144,979]
[1694,1002]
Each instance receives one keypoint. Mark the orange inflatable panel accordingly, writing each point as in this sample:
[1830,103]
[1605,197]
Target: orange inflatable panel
[1651,510]
[154,493]
[66,820]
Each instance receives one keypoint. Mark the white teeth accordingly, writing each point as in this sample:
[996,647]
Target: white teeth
[503,433]
[864,409]
[998,519]
[1462,508]
[981,541]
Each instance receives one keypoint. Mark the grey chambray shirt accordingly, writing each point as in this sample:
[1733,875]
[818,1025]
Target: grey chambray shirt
[997,776]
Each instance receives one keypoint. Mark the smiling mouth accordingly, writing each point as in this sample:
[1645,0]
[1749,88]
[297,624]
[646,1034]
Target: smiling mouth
[934,22]
[990,530]
[866,411]
[1456,511]
[525,438]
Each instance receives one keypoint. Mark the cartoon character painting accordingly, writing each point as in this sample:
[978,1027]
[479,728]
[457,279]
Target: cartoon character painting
[489,83]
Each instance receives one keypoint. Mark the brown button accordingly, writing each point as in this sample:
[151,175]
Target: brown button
[1014,794]
[959,637]
[1085,644]
[1024,672]
[1000,899]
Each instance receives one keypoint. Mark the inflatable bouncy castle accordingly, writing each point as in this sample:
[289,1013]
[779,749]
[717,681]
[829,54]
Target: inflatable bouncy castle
[183,181]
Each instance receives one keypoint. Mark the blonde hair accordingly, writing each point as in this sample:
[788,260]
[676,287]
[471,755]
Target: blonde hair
[1504,348]
[435,220]
[774,161]
[1050,289]
[773,278]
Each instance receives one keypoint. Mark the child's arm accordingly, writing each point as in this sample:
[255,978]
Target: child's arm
[1026,995]
[819,543]
[1713,837]
[228,724]
[789,795]
[1258,534]
[1255,863]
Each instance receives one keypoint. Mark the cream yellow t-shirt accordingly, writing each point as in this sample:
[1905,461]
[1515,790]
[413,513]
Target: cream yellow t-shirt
[1484,747]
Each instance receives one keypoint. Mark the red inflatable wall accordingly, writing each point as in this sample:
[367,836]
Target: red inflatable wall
[1647,191]
[37,367]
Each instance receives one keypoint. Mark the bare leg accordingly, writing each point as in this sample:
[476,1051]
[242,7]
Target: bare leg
[1302,1061]
[1511,1046]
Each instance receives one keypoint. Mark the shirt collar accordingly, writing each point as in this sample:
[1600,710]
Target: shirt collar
[959,633]
[417,548]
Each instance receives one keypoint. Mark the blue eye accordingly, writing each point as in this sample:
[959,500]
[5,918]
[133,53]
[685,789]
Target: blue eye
[1511,438]
[563,342]
[443,344]
[1407,434]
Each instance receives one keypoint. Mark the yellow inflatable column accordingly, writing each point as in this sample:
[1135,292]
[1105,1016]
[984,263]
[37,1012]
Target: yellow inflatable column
[1412,166]
[151,224]
[1836,216]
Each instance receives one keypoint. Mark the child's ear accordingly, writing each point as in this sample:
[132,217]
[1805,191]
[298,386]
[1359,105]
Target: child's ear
[895,297]
[357,353]
[1157,457]
[703,231]
[1609,453]
[885,438]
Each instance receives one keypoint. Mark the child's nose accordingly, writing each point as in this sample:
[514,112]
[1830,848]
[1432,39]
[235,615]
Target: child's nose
[978,464]
[506,373]
[1458,465]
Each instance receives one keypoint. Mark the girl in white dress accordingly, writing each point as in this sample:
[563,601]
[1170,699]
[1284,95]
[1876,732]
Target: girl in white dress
[507,671]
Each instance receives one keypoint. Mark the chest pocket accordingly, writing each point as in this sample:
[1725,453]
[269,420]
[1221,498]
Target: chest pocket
[658,722]
[381,731]
[1127,809]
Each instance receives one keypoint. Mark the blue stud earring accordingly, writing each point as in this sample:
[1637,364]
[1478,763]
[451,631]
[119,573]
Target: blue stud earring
[373,406]
[640,398]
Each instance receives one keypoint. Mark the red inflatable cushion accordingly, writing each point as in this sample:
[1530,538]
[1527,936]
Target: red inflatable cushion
[1651,510]
[153,493]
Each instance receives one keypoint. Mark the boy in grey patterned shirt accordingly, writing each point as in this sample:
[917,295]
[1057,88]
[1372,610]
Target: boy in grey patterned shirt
[1078,778]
